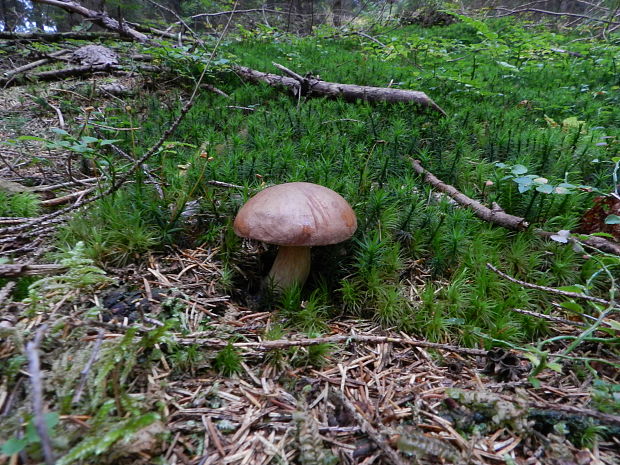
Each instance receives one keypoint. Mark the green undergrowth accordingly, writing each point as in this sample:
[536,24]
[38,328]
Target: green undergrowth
[531,129]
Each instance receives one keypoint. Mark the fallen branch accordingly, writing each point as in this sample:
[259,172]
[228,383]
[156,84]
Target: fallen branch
[58,74]
[34,370]
[67,198]
[310,86]
[84,373]
[35,64]
[500,218]
[337,339]
[60,36]
[554,319]
[97,17]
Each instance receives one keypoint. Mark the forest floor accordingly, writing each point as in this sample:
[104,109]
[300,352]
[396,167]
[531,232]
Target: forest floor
[166,359]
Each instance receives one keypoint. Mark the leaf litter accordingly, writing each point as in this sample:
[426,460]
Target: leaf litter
[428,405]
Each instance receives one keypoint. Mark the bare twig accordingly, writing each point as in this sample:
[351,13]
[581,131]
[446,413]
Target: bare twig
[84,373]
[61,119]
[34,368]
[291,73]
[572,295]
[179,19]
[63,73]
[67,198]
[337,339]
[555,319]
[61,185]
[145,169]
[366,36]
[481,211]
[224,184]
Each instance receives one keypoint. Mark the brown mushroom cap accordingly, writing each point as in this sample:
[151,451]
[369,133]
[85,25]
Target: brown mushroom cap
[296,214]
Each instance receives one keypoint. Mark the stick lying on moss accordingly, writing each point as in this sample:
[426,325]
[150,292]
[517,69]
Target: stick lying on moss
[315,87]
[499,217]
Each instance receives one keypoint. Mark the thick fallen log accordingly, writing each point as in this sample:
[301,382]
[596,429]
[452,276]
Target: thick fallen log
[500,218]
[313,87]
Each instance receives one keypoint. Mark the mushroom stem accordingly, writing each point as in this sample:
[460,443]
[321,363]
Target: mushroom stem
[291,266]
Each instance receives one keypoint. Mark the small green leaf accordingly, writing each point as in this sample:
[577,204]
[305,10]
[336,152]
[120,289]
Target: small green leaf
[59,131]
[602,234]
[535,383]
[574,288]
[554,366]
[40,139]
[13,446]
[51,420]
[88,140]
[561,190]
[612,219]
[519,169]
[525,180]
[573,306]
[109,141]
[545,188]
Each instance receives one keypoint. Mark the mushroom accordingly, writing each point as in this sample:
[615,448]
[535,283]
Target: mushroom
[295,216]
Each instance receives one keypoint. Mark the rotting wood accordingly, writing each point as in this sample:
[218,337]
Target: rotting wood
[312,87]
[500,218]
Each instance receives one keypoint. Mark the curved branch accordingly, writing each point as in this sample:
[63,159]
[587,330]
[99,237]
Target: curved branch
[97,17]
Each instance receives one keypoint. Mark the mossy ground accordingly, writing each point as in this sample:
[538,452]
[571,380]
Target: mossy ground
[415,267]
